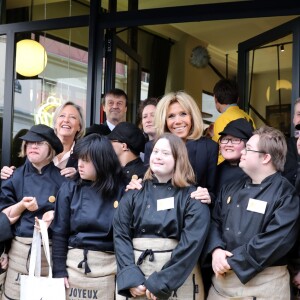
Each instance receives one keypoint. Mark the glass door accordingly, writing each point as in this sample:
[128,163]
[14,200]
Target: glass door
[123,70]
[268,76]
[270,83]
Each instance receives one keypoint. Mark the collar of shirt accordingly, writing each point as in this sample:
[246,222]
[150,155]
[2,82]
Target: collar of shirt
[229,105]
[110,125]
[63,162]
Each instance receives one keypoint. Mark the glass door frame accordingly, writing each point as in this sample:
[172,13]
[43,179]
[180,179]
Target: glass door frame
[113,43]
[291,27]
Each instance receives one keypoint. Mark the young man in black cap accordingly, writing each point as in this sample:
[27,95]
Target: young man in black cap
[232,141]
[128,142]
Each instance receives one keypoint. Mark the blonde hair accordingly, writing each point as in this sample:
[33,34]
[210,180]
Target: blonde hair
[57,112]
[188,104]
[51,152]
[183,172]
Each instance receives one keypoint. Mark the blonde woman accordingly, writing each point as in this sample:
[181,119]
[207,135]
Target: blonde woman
[179,114]
[69,126]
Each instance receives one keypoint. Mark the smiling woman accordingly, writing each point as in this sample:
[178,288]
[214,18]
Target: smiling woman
[69,126]
[179,114]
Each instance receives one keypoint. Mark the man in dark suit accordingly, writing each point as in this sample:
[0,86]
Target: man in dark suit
[114,105]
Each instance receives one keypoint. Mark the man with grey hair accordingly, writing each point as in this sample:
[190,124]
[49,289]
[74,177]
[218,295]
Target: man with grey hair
[255,225]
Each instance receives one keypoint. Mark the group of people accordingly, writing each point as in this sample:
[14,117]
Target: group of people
[150,213]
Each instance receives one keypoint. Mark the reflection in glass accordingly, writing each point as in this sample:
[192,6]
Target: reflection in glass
[270,84]
[64,79]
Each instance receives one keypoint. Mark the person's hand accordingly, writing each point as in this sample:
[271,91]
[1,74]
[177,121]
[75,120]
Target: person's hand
[68,172]
[4,261]
[149,295]
[6,172]
[30,203]
[67,285]
[219,261]
[201,194]
[296,280]
[138,291]
[48,217]
[134,184]
[12,220]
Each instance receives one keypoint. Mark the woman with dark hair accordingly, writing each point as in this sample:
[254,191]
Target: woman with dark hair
[82,227]
[159,231]
[146,116]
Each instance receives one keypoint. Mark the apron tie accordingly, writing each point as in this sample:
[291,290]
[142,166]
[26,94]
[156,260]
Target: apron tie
[86,266]
[144,254]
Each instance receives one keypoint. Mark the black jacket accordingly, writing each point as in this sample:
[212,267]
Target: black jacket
[257,239]
[27,181]
[134,167]
[227,173]
[292,160]
[137,217]
[83,219]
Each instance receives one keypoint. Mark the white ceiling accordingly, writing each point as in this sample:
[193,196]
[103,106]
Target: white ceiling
[222,37]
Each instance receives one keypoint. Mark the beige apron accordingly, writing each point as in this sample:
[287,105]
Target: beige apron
[271,283]
[18,263]
[192,288]
[91,275]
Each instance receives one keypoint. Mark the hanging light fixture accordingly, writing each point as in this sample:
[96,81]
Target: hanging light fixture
[31,58]
[282,48]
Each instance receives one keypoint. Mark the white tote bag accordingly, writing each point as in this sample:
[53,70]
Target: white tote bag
[33,286]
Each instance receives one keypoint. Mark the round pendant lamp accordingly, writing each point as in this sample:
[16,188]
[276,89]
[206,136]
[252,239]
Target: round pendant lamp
[31,58]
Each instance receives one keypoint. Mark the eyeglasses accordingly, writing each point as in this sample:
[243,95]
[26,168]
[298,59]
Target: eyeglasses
[234,141]
[250,150]
[36,144]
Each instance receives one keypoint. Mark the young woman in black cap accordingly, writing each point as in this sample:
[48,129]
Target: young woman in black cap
[28,194]
[82,227]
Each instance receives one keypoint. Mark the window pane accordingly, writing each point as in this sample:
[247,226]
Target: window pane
[63,79]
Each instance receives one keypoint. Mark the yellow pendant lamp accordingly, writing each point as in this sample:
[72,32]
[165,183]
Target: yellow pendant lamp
[31,58]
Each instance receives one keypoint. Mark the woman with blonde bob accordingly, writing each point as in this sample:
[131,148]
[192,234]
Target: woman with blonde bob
[159,231]
[69,126]
[179,114]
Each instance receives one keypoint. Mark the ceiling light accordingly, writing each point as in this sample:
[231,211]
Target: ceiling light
[31,58]
[282,48]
